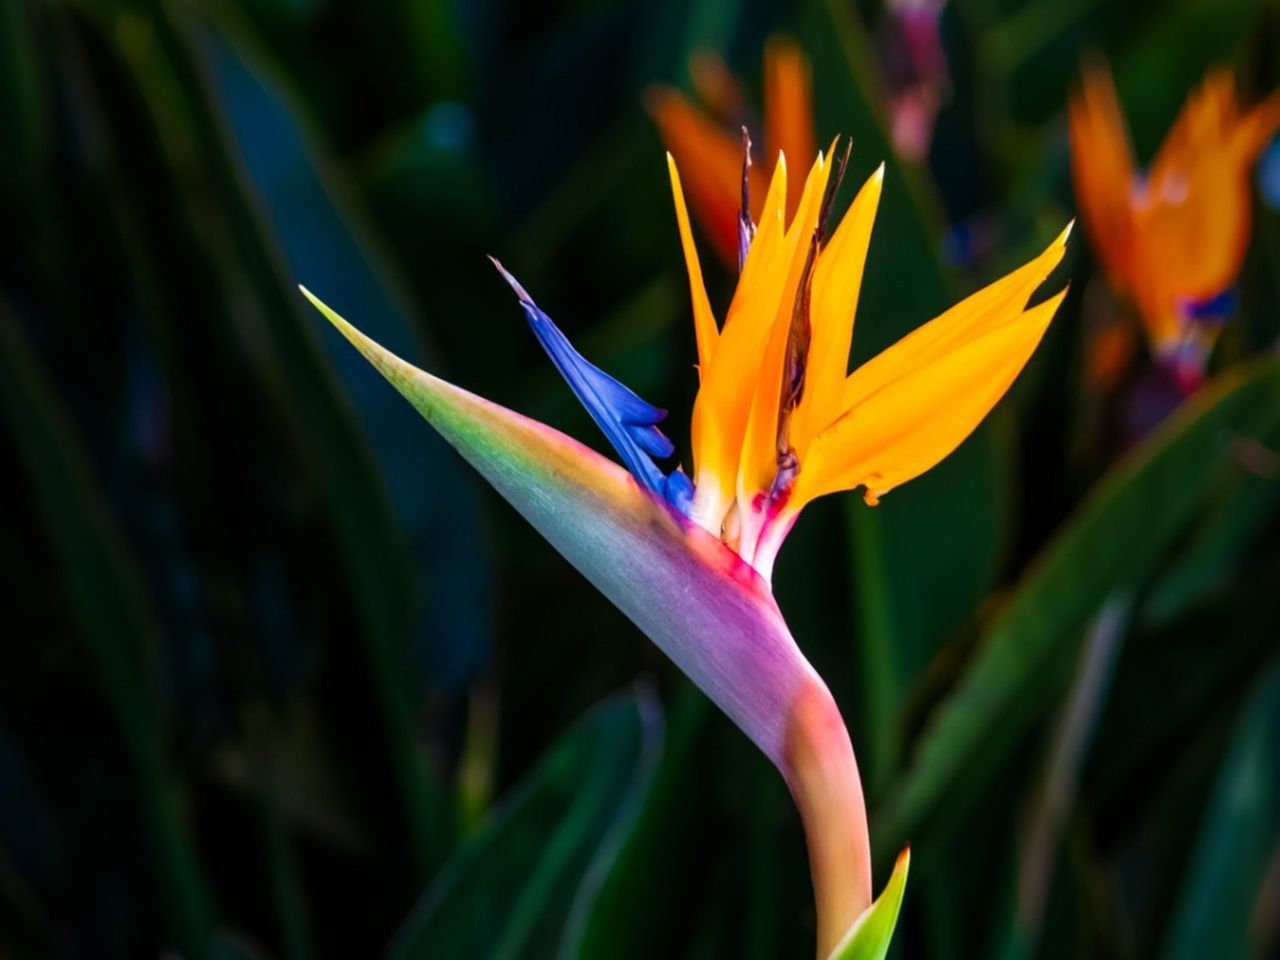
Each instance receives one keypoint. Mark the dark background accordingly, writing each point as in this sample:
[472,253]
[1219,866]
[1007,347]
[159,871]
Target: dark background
[275,666]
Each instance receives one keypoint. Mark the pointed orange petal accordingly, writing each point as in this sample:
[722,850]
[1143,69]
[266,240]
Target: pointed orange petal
[1102,171]
[1257,128]
[1208,116]
[1110,348]
[770,229]
[711,159]
[996,304]
[911,423]
[759,461]
[1195,216]
[704,321]
[836,284]
[788,110]
[723,404]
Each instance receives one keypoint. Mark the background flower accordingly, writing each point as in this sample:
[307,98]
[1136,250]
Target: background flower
[1172,237]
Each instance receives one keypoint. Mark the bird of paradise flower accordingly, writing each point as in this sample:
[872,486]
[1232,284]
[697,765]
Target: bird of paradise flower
[1171,239]
[777,422]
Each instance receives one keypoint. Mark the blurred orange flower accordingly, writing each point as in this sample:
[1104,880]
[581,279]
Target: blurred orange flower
[1172,239]
[706,140]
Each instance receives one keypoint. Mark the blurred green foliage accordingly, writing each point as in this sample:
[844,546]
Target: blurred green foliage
[280,678]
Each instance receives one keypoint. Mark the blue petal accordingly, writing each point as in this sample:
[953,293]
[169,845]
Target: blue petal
[628,421]
[1269,174]
[1212,310]
[678,489]
[654,442]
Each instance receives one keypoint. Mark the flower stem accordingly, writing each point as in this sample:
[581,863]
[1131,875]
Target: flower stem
[823,776]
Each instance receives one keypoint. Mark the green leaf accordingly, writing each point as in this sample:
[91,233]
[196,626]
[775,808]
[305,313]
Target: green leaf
[524,886]
[647,874]
[681,586]
[1065,753]
[869,937]
[155,44]
[317,222]
[107,602]
[1238,838]
[1125,526]
[1236,518]
[1019,37]
[230,946]
[25,101]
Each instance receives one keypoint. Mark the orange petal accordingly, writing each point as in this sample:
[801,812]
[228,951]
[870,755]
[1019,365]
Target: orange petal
[836,284]
[1192,221]
[912,422]
[704,321]
[997,304]
[1257,128]
[711,159]
[759,463]
[1102,171]
[724,399]
[788,110]
[1110,349]
[1209,114]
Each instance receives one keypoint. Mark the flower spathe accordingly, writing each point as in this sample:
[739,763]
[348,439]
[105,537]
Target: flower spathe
[627,543]
[707,610]
[1171,239]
